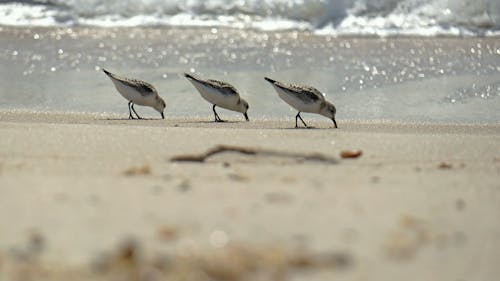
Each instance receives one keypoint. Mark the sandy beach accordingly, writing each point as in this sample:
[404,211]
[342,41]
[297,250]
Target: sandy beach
[97,197]
[408,187]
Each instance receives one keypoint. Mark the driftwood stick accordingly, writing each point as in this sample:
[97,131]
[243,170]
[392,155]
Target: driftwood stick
[253,152]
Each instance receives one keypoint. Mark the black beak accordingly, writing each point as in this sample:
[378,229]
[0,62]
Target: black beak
[162,116]
[246,116]
[334,122]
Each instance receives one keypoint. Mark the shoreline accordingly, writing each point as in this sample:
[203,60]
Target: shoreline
[235,121]
[253,30]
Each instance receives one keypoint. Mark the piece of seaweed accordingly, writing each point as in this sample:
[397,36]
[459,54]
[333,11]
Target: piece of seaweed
[254,152]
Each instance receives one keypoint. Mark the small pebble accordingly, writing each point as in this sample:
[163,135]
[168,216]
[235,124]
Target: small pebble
[445,166]
[460,204]
[351,153]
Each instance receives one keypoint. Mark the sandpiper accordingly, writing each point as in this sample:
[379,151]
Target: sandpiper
[137,92]
[304,99]
[219,94]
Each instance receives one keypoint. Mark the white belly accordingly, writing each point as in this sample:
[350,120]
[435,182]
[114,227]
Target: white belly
[132,95]
[215,97]
[297,103]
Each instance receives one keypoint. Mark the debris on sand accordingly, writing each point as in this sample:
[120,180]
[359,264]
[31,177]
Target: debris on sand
[167,233]
[351,153]
[460,204]
[138,171]
[299,157]
[445,166]
[234,262]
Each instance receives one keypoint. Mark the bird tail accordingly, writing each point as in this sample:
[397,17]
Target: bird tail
[270,80]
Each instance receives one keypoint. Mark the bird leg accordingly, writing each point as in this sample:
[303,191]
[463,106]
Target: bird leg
[217,118]
[139,117]
[299,117]
[130,116]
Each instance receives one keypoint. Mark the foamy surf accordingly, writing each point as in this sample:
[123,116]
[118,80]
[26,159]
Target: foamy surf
[332,17]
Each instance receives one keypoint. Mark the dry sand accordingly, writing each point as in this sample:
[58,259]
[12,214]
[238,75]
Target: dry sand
[94,197]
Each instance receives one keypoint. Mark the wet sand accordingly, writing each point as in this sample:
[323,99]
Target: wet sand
[96,197]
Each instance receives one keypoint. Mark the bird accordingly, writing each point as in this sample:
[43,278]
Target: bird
[304,99]
[219,94]
[137,92]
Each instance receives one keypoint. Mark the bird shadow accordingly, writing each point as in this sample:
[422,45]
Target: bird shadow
[209,122]
[304,128]
[310,128]
[128,119]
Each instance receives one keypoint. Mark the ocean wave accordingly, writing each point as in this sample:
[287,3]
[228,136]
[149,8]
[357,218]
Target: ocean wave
[337,17]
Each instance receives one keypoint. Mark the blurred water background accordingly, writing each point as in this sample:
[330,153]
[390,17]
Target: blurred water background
[402,60]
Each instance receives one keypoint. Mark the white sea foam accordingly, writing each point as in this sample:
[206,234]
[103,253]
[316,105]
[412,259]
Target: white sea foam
[338,17]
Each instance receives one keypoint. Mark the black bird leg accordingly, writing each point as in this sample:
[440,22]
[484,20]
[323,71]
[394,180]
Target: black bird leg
[139,117]
[217,118]
[299,117]
[130,116]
